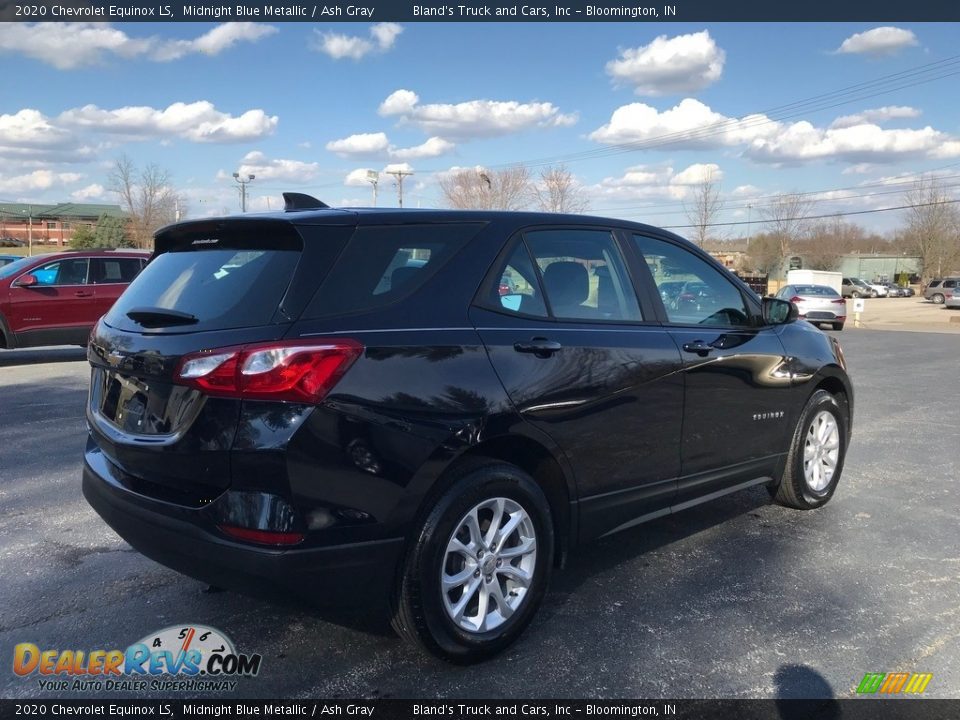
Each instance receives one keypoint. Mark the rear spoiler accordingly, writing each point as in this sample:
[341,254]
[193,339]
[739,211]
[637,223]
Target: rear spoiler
[299,201]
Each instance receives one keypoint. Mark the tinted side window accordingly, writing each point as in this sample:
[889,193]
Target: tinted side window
[949,283]
[934,283]
[382,264]
[584,275]
[114,270]
[693,291]
[518,288]
[72,271]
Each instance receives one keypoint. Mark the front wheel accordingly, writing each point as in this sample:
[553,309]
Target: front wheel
[479,566]
[937,299]
[855,294]
[817,451]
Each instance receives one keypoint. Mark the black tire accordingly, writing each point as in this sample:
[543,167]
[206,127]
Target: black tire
[837,326]
[855,294]
[937,298]
[419,614]
[794,490]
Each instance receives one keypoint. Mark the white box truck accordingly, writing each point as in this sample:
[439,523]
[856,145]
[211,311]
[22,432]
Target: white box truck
[815,277]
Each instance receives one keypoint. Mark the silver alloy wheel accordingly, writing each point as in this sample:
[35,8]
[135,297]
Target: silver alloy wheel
[821,451]
[488,565]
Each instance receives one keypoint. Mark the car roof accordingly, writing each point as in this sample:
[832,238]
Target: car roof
[404,216]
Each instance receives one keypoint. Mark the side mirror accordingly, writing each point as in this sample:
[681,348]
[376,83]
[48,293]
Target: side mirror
[27,280]
[779,312]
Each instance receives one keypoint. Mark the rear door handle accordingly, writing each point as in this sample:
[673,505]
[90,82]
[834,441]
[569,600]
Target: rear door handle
[541,347]
[83,293]
[699,347]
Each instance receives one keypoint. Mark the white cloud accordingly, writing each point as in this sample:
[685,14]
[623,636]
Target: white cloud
[94,191]
[474,118]
[693,125]
[395,167]
[198,122]
[223,37]
[879,41]
[30,127]
[697,173]
[36,180]
[802,141]
[433,147]
[689,124]
[378,145]
[340,46]
[876,115]
[71,45]
[357,178]
[360,144]
[684,63]
[258,164]
[653,182]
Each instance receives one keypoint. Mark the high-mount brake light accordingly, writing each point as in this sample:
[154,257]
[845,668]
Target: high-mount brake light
[290,370]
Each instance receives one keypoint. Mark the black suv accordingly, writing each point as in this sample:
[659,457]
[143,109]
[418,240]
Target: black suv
[433,407]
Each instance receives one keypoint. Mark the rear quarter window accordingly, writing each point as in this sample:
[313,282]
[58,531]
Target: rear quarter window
[384,264]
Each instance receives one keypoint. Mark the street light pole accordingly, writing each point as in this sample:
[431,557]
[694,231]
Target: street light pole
[373,177]
[243,189]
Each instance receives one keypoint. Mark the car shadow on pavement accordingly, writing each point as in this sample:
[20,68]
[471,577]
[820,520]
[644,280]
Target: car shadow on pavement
[799,682]
[38,356]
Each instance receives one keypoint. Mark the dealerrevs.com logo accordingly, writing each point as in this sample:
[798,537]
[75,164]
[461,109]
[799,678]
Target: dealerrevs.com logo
[182,657]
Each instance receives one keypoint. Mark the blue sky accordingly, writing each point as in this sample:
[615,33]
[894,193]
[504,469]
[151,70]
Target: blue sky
[309,107]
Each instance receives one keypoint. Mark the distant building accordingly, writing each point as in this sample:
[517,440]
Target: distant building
[51,223]
[884,267]
[732,254]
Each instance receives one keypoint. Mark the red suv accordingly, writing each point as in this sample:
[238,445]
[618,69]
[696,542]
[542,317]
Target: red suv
[56,299]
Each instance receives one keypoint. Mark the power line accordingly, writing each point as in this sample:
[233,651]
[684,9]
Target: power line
[819,217]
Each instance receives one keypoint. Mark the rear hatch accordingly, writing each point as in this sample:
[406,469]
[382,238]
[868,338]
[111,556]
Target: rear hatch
[210,285]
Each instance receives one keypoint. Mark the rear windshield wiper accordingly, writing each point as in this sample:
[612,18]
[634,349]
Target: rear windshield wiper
[160,317]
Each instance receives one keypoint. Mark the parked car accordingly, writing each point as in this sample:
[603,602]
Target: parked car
[940,289]
[879,289]
[818,304]
[7,259]
[894,290]
[952,302]
[856,288]
[908,291]
[11,242]
[299,424]
[55,299]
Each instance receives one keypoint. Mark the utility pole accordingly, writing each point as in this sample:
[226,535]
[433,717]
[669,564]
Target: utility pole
[373,177]
[243,189]
[30,229]
[399,175]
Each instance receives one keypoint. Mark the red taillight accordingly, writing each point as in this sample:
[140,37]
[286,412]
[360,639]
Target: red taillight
[796,299]
[839,301]
[291,370]
[504,289]
[263,537]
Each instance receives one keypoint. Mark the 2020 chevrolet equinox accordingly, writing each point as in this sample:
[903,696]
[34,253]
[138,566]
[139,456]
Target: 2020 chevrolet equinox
[433,407]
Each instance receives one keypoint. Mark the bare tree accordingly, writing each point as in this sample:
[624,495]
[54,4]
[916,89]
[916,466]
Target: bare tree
[764,254]
[148,197]
[703,207]
[482,189]
[558,191]
[933,227]
[786,218]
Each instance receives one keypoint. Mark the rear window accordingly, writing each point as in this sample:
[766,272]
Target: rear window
[383,264]
[223,288]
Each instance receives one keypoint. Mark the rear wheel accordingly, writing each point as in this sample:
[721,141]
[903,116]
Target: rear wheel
[817,451]
[837,326]
[479,566]
[855,294]
[937,298]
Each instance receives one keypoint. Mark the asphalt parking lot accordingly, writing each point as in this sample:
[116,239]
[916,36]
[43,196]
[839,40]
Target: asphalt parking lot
[738,598]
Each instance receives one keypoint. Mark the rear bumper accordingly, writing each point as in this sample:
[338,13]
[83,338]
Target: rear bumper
[185,540]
